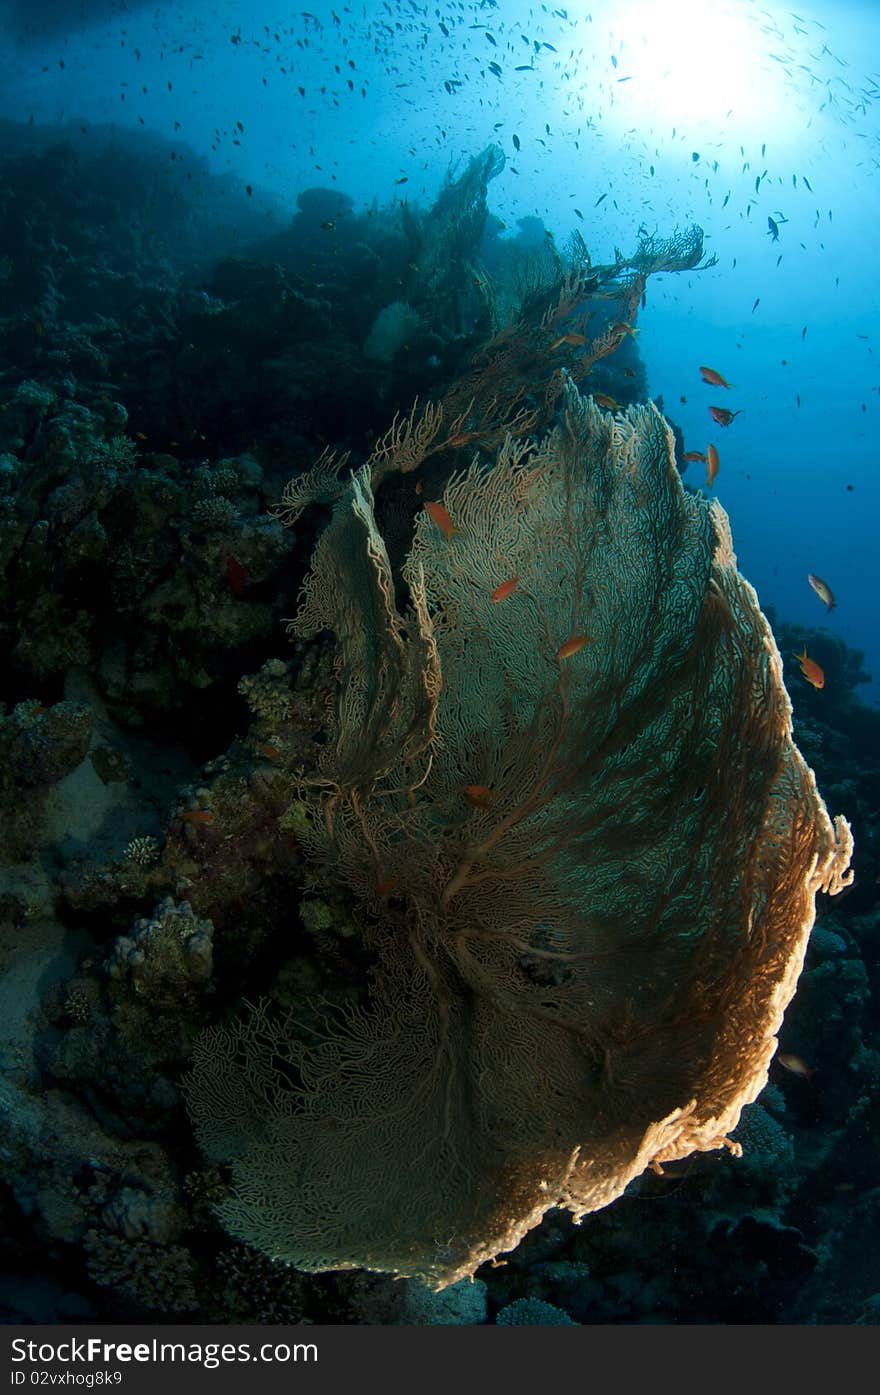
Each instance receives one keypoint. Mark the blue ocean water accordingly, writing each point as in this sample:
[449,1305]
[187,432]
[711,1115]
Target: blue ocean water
[617,120]
[720,114]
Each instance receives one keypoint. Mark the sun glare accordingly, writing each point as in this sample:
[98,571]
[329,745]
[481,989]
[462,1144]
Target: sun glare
[695,61]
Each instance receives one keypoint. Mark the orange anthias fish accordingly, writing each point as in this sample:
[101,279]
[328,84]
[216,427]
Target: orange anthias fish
[796,1065]
[568,339]
[713,378]
[572,646]
[506,589]
[442,519]
[197,816]
[723,415]
[695,455]
[610,404]
[712,463]
[811,670]
[383,888]
[822,589]
[478,795]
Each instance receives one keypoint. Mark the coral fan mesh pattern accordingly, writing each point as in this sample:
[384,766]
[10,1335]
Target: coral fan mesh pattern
[580,970]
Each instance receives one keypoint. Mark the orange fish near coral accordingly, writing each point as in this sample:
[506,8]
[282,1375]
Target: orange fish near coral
[568,339]
[695,455]
[506,589]
[796,1065]
[811,670]
[822,589]
[712,463]
[572,646]
[714,379]
[609,403]
[383,888]
[723,415]
[442,519]
[197,816]
[478,795]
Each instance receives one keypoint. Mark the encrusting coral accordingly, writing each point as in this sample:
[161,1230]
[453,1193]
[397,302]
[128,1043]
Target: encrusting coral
[585,853]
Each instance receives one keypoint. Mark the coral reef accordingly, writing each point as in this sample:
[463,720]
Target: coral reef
[529,802]
[39,746]
[167,957]
[532,1312]
[184,831]
[158,1278]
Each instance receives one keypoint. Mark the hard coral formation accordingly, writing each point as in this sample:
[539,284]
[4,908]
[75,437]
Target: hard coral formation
[166,958]
[582,971]
[141,572]
[532,1312]
[390,331]
[268,693]
[39,746]
[158,1278]
[258,1290]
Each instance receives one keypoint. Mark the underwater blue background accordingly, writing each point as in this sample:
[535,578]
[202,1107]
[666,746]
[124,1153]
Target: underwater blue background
[756,122]
[673,112]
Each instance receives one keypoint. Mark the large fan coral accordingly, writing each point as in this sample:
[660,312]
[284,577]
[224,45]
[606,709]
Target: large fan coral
[586,872]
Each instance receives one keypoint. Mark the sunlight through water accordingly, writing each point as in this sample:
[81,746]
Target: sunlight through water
[689,63]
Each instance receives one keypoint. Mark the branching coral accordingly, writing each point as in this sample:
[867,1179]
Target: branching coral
[681,252]
[586,872]
[513,381]
[447,236]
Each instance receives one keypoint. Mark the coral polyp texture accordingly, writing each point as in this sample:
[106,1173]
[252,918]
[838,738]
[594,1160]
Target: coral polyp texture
[583,851]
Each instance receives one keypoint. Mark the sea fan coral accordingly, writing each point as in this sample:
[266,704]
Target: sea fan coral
[580,972]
